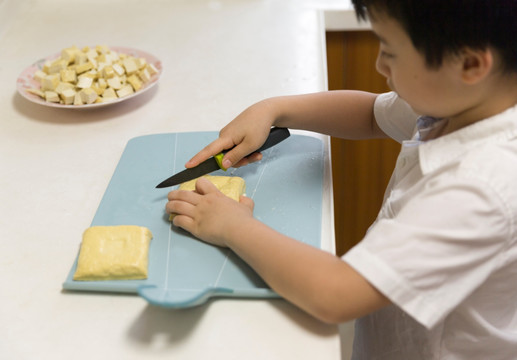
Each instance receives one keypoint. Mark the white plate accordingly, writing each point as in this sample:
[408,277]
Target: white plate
[26,80]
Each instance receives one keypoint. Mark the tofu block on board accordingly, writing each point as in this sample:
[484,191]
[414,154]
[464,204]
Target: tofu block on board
[114,253]
[231,186]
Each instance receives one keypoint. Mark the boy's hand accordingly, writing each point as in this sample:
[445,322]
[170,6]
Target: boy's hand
[207,213]
[247,132]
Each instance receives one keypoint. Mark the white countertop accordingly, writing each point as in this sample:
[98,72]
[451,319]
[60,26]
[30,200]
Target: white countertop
[218,57]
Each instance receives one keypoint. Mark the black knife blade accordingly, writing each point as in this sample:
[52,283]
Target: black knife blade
[276,135]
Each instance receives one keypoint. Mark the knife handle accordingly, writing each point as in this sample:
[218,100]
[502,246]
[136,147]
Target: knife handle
[276,135]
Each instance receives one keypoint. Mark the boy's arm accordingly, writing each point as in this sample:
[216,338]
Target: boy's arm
[317,282]
[346,114]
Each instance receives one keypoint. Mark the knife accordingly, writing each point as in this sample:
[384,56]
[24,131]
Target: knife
[214,163]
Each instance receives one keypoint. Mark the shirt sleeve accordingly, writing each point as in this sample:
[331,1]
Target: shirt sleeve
[432,255]
[395,117]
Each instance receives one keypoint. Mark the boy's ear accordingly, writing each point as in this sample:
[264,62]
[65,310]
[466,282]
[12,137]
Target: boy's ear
[476,64]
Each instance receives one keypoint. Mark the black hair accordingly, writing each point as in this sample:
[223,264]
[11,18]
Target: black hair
[443,27]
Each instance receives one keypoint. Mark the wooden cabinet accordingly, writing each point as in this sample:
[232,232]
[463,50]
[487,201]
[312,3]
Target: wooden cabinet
[360,169]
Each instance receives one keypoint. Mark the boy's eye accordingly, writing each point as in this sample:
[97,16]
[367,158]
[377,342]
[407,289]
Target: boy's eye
[386,55]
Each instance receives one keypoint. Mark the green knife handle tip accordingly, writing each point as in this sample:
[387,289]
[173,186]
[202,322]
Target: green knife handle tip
[219,159]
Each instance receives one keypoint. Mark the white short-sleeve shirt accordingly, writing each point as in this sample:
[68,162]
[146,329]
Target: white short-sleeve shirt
[443,248]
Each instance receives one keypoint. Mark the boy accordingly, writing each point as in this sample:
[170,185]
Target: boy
[435,277]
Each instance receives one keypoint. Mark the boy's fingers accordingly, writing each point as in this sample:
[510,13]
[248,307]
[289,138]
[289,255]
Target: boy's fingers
[205,153]
[237,156]
[210,150]
[179,208]
[184,222]
[182,195]
[248,160]
[204,186]
[247,201]
[233,157]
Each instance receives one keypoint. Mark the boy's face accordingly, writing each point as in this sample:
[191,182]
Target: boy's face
[428,91]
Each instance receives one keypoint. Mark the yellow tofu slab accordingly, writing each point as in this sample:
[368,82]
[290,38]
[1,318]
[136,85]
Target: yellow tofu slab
[231,186]
[114,253]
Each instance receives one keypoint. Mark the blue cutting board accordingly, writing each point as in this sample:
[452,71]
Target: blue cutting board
[287,187]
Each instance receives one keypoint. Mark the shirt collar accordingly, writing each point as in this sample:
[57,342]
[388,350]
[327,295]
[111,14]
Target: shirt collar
[444,149]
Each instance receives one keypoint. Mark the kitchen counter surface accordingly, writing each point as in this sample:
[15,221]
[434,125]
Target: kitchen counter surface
[218,57]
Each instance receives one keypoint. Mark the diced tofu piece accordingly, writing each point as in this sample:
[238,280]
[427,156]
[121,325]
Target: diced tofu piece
[152,69]
[130,66]
[88,95]
[50,82]
[79,69]
[57,66]
[113,55]
[125,91]
[135,82]
[84,82]
[97,88]
[102,49]
[68,96]
[51,96]
[103,84]
[100,66]
[114,82]
[81,58]
[92,74]
[119,70]
[36,92]
[92,53]
[39,75]
[77,99]
[62,86]
[92,57]
[108,72]
[140,63]
[102,58]
[69,54]
[109,94]
[46,66]
[68,75]
[144,75]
